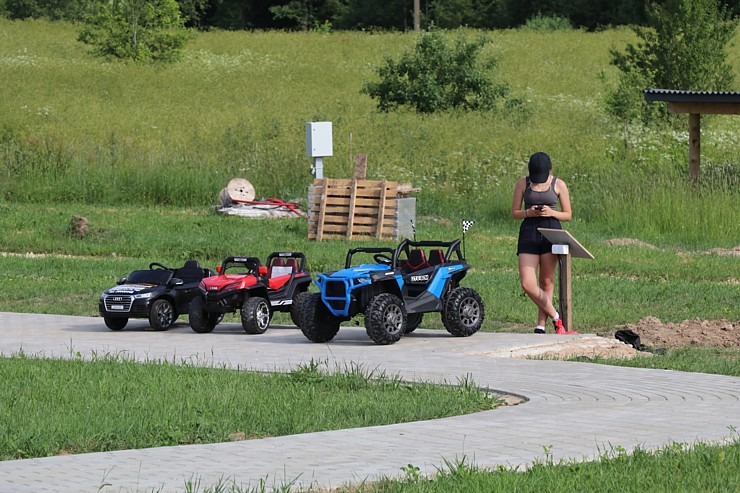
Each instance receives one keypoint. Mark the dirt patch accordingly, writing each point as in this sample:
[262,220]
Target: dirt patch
[726,252]
[654,335]
[717,333]
[606,349]
[628,241]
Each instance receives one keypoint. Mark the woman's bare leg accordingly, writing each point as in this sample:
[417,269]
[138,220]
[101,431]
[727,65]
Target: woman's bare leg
[548,266]
[528,265]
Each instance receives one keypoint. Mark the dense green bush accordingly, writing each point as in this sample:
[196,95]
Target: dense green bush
[437,77]
[141,30]
[547,23]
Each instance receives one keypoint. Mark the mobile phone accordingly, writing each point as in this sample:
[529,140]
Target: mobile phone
[538,207]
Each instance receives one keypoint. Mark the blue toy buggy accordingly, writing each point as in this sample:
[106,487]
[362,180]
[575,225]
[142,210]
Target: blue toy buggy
[393,293]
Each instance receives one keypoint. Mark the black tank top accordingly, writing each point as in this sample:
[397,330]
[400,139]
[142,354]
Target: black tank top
[548,197]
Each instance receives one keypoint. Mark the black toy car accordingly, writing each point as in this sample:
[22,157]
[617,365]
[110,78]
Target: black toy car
[256,290]
[394,293]
[159,293]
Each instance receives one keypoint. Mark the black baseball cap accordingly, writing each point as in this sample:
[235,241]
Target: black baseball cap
[539,167]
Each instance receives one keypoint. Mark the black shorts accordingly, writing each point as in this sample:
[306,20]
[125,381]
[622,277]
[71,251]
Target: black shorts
[531,240]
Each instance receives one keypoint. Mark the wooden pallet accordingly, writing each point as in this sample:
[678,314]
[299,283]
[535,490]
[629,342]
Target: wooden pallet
[352,208]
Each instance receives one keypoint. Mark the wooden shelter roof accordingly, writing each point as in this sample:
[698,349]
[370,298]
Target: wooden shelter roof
[678,96]
[696,103]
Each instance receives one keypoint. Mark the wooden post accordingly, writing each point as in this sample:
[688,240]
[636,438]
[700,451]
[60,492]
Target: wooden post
[417,15]
[565,293]
[694,146]
[361,166]
[565,246]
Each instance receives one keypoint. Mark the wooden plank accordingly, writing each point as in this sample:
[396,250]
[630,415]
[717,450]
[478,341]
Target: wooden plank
[381,210]
[704,108]
[359,201]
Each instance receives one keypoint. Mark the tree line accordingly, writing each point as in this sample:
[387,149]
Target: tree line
[367,14]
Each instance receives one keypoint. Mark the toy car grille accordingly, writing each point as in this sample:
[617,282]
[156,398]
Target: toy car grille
[335,289]
[118,303]
[338,305]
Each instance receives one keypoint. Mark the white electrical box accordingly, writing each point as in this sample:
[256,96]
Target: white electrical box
[560,249]
[319,139]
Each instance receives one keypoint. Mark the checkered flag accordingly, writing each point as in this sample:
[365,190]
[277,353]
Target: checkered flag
[467,224]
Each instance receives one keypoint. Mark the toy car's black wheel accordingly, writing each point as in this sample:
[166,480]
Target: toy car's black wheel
[115,323]
[162,315]
[318,324]
[202,321]
[256,315]
[296,307]
[463,312]
[412,322]
[385,319]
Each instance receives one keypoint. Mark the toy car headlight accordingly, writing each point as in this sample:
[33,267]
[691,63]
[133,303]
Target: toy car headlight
[362,280]
[142,296]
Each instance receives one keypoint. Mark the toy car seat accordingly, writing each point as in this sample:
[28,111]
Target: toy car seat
[279,273]
[436,257]
[292,263]
[276,267]
[190,272]
[417,260]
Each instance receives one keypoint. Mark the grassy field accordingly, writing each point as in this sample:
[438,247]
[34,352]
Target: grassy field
[143,151]
[621,285]
[76,130]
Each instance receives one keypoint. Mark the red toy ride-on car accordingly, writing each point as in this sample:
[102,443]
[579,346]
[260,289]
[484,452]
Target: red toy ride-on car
[256,290]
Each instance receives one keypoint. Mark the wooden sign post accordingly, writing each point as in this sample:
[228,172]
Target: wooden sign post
[565,246]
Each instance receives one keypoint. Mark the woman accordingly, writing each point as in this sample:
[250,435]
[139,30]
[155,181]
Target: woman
[540,193]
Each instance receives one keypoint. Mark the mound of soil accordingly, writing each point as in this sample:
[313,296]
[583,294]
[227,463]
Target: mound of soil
[718,333]
[653,333]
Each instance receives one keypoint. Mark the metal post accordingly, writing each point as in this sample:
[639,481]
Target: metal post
[317,169]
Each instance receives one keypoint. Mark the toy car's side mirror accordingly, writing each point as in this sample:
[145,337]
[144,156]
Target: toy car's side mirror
[262,270]
[220,269]
[121,281]
[175,281]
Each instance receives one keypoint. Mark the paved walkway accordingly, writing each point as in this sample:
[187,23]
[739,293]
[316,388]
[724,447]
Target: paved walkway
[574,410]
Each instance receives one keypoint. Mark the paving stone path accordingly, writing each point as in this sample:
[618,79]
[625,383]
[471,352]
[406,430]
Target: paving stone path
[573,410]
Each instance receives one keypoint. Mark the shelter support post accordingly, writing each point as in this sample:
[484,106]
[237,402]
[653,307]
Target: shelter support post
[694,146]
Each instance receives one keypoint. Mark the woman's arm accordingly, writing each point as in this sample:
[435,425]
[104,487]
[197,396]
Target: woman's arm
[516,206]
[565,213]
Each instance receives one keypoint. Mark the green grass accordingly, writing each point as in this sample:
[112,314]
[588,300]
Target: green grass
[110,403]
[718,361]
[674,468]
[621,285]
[143,151]
[76,130]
